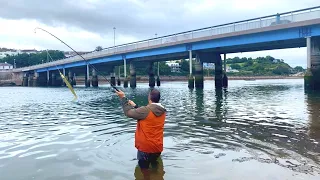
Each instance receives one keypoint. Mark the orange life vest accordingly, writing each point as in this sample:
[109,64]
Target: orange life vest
[149,133]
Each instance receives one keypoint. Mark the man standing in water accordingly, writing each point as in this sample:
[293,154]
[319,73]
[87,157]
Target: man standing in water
[149,130]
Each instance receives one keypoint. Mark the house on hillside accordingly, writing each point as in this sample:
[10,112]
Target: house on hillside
[4,54]
[29,51]
[229,69]
[5,66]
[208,66]
[174,66]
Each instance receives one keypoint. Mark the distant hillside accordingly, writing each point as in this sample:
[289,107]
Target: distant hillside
[261,66]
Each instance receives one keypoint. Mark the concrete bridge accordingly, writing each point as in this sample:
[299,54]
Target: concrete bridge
[300,28]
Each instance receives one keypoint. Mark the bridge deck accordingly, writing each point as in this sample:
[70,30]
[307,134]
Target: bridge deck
[299,18]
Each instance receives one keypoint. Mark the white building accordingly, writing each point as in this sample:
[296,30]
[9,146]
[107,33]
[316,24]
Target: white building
[175,67]
[28,51]
[12,52]
[3,54]
[229,69]
[208,66]
[5,66]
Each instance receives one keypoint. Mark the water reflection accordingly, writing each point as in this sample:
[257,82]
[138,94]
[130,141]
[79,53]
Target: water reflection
[313,107]
[268,125]
[156,173]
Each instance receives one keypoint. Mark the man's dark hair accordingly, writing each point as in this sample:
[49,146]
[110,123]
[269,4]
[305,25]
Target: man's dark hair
[154,95]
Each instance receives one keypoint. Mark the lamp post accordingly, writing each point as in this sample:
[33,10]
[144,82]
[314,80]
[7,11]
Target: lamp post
[114,36]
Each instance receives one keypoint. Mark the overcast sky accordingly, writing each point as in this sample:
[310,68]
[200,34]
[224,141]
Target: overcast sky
[85,24]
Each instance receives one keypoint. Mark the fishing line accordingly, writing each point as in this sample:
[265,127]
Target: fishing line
[112,85]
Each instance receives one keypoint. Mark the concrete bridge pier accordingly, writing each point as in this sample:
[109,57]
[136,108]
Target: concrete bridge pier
[125,81]
[225,78]
[64,74]
[30,80]
[25,79]
[119,75]
[113,78]
[218,73]
[41,79]
[48,78]
[36,79]
[87,76]
[94,78]
[152,80]
[199,73]
[54,81]
[71,78]
[191,78]
[133,79]
[158,77]
[312,76]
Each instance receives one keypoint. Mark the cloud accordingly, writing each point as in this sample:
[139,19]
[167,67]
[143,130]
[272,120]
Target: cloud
[88,23]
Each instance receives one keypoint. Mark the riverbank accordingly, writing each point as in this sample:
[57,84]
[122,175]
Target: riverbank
[5,83]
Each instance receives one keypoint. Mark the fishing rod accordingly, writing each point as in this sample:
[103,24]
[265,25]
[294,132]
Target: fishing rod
[112,85]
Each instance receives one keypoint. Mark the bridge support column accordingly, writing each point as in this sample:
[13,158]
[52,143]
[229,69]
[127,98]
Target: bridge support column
[312,76]
[30,80]
[113,78]
[54,81]
[71,78]
[74,82]
[218,73]
[36,79]
[94,78]
[42,79]
[119,75]
[25,79]
[125,81]
[225,78]
[133,79]
[158,77]
[198,73]
[152,80]
[190,79]
[87,76]
[64,74]
[48,78]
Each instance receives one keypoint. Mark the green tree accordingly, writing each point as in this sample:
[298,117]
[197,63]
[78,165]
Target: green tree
[184,66]
[270,58]
[248,63]
[235,66]
[299,69]
[24,59]
[282,69]
[98,48]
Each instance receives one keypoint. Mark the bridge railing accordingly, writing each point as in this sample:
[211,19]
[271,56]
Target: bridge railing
[261,22]
[272,20]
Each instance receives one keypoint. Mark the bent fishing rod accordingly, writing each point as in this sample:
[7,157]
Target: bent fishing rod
[112,85]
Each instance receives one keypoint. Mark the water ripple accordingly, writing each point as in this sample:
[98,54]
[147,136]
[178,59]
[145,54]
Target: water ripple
[271,124]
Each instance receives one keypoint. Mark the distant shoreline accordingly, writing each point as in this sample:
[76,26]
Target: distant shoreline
[80,80]
[184,78]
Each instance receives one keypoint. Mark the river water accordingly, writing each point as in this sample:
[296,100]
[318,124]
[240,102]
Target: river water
[264,129]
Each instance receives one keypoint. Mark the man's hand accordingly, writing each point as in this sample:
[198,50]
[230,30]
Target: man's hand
[132,103]
[120,94]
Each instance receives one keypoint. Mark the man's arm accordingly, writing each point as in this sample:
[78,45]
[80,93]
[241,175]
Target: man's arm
[134,112]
